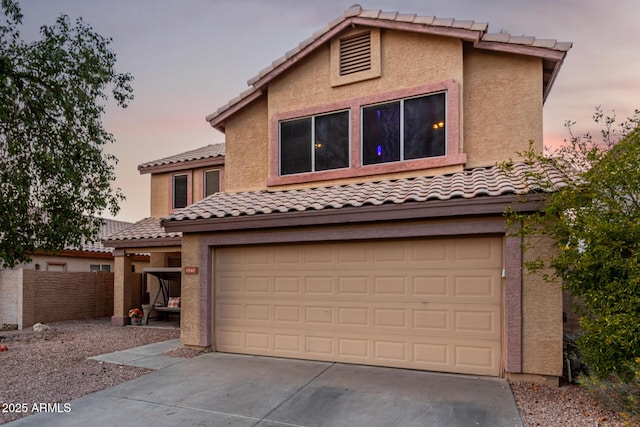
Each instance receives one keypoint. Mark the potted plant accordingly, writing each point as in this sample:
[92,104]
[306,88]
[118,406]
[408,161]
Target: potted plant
[136,316]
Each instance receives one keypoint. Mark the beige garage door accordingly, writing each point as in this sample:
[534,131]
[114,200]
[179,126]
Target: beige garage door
[421,304]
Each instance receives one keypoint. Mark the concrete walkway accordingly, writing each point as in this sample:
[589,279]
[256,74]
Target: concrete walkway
[147,356]
[218,389]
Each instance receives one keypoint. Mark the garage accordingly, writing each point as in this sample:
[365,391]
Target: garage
[430,304]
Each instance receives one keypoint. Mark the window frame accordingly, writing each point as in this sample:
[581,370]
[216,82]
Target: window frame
[204,182]
[173,190]
[312,141]
[106,268]
[454,155]
[401,129]
[56,264]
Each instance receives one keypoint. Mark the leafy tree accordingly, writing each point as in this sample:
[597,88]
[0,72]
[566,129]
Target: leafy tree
[595,222]
[55,179]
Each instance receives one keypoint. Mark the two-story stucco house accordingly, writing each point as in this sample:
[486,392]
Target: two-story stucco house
[362,215]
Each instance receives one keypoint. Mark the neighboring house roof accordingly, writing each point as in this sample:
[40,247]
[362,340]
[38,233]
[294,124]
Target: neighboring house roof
[108,227]
[207,155]
[474,183]
[551,51]
[148,229]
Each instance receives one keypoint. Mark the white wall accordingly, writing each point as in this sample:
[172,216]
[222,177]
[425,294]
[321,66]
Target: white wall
[11,297]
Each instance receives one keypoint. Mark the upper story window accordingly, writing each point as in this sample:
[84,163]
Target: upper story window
[180,194]
[211,182]
[314,143]
[406,129]
[410,129]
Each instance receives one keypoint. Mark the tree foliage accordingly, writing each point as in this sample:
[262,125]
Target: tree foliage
[595,222]
[55,178]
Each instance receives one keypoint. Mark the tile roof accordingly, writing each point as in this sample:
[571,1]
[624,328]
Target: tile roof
[148,228]
[208,151]
[108,227]
[475,32]
[467,184]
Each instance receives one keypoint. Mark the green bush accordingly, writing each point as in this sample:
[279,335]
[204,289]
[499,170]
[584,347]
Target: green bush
[593,216]
[616,394]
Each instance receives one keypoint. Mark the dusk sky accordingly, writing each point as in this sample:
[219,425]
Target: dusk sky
[190,57]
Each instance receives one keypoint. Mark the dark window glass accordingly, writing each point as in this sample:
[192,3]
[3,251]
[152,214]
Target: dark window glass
[295,146]
[424,134]
[211,182]
[381,133]
[179,191]
[424,130]
[331,143]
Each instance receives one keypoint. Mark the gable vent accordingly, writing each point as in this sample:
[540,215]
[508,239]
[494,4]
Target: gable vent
[355,54]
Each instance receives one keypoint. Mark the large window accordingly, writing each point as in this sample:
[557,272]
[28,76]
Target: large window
[314,143]
[407,129]
[179,191]
[211,182]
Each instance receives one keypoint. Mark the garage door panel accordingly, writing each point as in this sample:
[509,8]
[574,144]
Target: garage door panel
[430,286]
[256,312]
[390,286]
[483,286]
[319,286]
[353,286]
[478,252]
[423,304]
[431,353]
[462,320]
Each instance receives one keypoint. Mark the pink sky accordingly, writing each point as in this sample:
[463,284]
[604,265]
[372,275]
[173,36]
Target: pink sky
[190,57]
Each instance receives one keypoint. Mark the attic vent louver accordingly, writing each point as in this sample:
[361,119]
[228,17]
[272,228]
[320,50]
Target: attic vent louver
[355,54]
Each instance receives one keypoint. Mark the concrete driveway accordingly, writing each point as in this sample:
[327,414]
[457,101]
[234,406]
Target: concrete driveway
[218,389]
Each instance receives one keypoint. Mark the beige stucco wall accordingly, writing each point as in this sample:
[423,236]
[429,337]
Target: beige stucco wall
[408,59]
[247,148]
[541,316]
[502,106]
[500,110]
[190,313]
[160,193]
[162,187]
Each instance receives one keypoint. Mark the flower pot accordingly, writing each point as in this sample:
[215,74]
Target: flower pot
[136,321]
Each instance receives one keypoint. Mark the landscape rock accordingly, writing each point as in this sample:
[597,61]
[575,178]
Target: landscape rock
[39,327]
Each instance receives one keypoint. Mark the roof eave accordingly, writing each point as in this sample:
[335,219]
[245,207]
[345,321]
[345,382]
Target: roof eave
[473,34]
[216,120]
[552,79]
[178,166]
[493,205]
[144,242]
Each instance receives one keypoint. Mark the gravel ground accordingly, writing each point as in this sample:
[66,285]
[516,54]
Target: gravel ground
[567,405]
[52,367]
